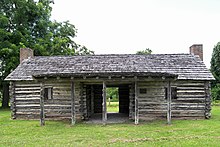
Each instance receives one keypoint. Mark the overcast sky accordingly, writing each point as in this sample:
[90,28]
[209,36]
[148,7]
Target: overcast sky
[126,26]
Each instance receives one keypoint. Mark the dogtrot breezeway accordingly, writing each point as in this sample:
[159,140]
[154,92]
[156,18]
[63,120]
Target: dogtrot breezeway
[111,118]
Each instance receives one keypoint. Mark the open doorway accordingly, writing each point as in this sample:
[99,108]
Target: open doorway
[112,101]
[118,96]
[117,110]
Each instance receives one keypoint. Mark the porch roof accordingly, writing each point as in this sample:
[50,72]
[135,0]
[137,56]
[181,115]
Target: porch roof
[185,66]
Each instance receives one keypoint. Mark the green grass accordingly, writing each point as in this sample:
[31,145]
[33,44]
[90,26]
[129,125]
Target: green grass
[113,107]
[157,133]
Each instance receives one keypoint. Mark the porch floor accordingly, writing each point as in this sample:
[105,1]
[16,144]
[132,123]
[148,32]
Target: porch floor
[111,118]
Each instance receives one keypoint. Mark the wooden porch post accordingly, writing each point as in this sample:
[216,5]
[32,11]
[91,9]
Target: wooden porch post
[73,113]
[13,99]
[169,96]
[92,99]
[207,100]
[42,115]
[104,112]
[136,116]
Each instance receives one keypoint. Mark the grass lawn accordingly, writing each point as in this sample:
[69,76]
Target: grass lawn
[157,133]
[113,107]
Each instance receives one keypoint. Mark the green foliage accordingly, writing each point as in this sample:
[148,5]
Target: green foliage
[57,133]
[0,98]
[112,92]
[216,92]
[144,52]
[215,69]
[215,62]
[27,23]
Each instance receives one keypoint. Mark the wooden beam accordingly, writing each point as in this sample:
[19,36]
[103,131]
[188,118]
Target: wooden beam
[42,115]
[136,113]
[92,99]
[104,109]
[169,96]
[73,113]
[13,99]
[207,100]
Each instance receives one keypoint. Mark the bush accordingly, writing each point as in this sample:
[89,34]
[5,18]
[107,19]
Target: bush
[216,92]
[0,97]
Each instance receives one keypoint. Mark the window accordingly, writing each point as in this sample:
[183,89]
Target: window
[48,93]
[173,93]
[143,91]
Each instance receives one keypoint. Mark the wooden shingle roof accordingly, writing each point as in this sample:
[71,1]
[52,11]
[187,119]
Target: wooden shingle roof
[185,66]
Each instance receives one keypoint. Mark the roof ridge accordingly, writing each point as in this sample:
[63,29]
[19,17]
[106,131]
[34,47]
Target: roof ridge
[112,55]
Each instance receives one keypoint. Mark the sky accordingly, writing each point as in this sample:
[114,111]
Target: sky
[126,26]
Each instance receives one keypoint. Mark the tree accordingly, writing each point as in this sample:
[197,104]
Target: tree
[112,92]
[26,23]
[144,52]
[215,69]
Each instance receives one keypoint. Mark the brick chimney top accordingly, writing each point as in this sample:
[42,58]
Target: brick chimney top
[197,49]
[26,53]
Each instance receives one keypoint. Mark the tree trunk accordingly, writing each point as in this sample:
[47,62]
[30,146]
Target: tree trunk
[5,99]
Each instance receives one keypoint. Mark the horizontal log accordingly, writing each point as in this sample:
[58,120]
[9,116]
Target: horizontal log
[28,116]
[27,103]
[28,110]
[190,88]
[28,113]
[191,96]
[188,117]
[27,96]
[27,85]
[151,102]
[27,88]
[27,92]
[158,100]
[58,110]
[188,94]
[28,99]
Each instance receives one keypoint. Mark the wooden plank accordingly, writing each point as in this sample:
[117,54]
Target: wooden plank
[92,99]
[73,113]
[13,101]
[207,100]
[27,92]
[136,103]
[169,103]
[27,88]
[21,85]
[104,108]
[131,103]
[42,115]
[27,96]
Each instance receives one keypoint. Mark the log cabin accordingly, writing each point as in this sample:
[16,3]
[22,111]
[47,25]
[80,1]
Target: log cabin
[155,86]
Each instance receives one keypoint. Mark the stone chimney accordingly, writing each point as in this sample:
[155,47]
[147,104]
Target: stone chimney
[197,49]
[26,53]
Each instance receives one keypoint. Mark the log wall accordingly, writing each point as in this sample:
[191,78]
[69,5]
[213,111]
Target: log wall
[193,100]
[26,100]
[153,104]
